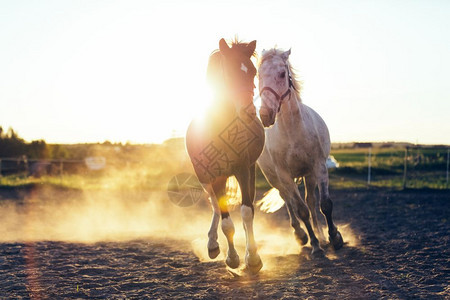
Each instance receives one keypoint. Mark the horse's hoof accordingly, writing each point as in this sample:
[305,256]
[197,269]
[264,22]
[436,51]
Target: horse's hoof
[213,252]
[253,265]
[317,252]
[254,269]
[337,241]
[232,261]
[302,240]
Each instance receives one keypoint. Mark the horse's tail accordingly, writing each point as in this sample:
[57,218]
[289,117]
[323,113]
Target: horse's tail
[271,202]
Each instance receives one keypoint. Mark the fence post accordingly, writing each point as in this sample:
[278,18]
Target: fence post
[446,175]
[405,167]
[26,166]
[60,170]
[369,166]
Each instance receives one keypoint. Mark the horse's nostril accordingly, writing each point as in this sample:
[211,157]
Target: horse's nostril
[270,114]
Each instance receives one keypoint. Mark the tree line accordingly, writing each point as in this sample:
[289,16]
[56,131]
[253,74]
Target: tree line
[12,145]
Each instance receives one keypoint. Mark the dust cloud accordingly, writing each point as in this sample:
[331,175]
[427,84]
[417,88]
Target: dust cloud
[123,214]
[93,216]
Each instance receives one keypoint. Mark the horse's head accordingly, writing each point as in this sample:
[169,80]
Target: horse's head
[235,77]
[275,83]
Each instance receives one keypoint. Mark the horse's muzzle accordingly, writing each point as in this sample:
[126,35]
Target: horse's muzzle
[267,116]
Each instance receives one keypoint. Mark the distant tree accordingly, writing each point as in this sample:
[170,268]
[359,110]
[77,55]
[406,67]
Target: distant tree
[58,152]
[12,134]
[11,144]
[37,150]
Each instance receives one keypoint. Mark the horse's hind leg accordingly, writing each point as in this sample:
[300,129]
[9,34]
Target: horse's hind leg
[326,206]
[219,187]
[300,234]
[246,179]
[298,210]
[304,214]
[310,195]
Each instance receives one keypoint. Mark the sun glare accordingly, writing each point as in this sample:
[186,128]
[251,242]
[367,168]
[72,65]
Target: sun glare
[201,102]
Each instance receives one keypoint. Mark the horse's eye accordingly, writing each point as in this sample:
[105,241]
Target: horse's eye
[283,74]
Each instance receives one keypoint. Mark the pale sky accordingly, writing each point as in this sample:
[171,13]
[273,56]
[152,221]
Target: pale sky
[90,71]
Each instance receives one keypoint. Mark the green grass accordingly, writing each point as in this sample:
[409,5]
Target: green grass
[426,168]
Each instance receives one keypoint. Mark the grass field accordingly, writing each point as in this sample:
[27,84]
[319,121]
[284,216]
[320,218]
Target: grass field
[425,167]
[155,166]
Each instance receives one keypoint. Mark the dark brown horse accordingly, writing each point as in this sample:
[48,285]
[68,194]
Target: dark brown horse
[227,142]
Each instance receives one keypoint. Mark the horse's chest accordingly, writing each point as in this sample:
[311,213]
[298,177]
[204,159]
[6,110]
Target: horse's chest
[300,163]
[291,158]
[221,152]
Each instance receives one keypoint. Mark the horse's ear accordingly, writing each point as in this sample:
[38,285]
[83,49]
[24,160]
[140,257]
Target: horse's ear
[286,54]
[223,47]
[251,48]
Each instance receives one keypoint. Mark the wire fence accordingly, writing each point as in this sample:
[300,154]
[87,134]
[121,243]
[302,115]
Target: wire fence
[408,167]
[25,167]
[399,167]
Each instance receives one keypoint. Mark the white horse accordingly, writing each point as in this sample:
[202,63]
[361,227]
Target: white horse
[297,146]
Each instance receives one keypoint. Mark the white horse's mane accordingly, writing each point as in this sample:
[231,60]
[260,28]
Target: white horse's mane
[268,55]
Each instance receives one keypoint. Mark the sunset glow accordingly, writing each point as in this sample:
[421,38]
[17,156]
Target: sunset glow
[135,71]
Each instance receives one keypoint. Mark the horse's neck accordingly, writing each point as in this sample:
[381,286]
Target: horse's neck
[222,110]
[291,112]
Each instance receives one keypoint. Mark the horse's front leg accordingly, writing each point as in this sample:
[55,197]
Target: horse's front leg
[310,195]
[219,187]
[213,245]
[246,179]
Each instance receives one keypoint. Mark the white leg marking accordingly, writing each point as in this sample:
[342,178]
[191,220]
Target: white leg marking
[251,257]
[212,233]
[232,259]
[228,228]
[247,218]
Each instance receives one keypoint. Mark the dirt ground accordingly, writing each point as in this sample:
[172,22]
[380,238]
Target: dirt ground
[398,248]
